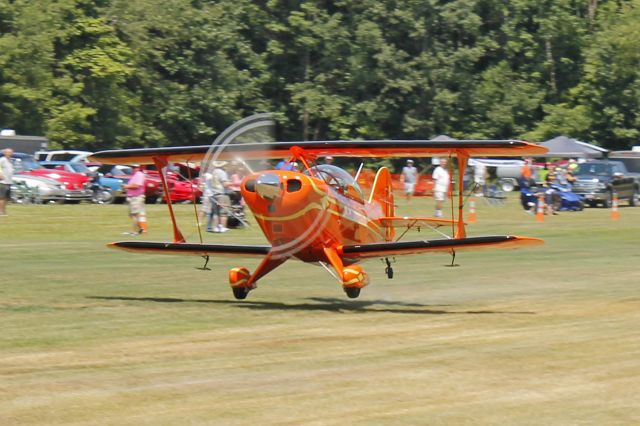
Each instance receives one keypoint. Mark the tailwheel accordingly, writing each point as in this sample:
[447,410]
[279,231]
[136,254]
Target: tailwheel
[238,278]
[389,269]
[352,292]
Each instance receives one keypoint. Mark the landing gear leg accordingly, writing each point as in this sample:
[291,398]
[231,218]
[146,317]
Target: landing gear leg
[389,269]
[242,281]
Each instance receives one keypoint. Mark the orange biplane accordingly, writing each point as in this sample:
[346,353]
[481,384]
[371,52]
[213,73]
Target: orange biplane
[318,213]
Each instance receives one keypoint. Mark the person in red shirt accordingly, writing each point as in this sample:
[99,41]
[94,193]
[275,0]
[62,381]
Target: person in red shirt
[135,197]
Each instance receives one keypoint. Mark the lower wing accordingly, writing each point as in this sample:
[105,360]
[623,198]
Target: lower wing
[361,251]
[191,249]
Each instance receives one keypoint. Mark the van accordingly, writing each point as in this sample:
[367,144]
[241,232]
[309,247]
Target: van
[62,155]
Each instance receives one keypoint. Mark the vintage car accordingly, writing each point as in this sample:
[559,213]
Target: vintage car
[106,189]
[35,189]
[153,189]
[180,188]
[77,185]
[62,155]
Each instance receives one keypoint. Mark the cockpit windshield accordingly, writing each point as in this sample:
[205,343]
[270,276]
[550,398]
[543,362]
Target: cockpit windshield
[338,178]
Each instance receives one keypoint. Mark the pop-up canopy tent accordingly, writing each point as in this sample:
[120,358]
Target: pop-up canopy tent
[565,147]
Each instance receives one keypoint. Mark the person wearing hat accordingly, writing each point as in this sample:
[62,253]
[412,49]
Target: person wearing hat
[135,190]
[216,184]
[409,179]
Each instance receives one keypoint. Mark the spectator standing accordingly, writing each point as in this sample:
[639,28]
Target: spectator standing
[220,202]
[287,165]
[569,176]
[236,174]
[328,159]
[551,198]
[409,178]
[479,178]
[441,188]
[6,178]
[135,197]
[207,197]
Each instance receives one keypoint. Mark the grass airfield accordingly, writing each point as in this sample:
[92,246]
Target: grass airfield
[547,335]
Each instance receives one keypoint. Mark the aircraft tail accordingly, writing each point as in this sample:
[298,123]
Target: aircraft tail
[382,196]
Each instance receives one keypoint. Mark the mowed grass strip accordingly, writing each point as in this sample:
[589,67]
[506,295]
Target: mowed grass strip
[547,335]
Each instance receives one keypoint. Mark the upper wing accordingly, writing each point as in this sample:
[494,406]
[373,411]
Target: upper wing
[192,249]
[274,150]
[361,251]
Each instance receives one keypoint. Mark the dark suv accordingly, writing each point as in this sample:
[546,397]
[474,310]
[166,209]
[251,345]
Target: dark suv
[597,181]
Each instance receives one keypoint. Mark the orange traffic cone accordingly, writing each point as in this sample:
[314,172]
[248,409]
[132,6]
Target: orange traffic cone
[540,209]
[614,207]
[472,210]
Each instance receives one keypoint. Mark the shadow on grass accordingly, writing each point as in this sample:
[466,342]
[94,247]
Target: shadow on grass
[323,304]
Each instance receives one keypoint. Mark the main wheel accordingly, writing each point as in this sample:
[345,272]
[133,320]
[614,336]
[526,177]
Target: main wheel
[103,196]
[389,271]
[240,293]
[352,292]
[507,185]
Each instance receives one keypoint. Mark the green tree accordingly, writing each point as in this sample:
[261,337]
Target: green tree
[196,72]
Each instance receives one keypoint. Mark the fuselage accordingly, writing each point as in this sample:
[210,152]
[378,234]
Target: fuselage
[303,213]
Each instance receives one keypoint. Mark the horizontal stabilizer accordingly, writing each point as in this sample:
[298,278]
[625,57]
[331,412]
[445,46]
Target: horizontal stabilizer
[413,222]
[359,149]
[191,249]
[361,251]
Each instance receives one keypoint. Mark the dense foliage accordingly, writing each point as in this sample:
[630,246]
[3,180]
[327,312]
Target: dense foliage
[124,73]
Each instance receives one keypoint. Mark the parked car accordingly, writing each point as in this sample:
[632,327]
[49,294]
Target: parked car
[77,185]
[631,159]
[180,189]
[35,189]
[62,155]
[106,189]
[153,189]
[597,181]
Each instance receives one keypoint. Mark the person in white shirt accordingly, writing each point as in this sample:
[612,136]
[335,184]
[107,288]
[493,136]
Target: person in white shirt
[6,178]
[441,188]
[218,182]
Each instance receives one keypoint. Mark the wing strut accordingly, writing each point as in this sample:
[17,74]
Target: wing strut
[161,164]
[463,160]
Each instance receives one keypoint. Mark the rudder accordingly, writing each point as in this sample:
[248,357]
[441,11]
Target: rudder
[382,194]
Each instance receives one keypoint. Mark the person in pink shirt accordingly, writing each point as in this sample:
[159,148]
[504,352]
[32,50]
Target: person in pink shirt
[135,197]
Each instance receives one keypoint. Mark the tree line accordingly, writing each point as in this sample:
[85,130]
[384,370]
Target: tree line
[98,74]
